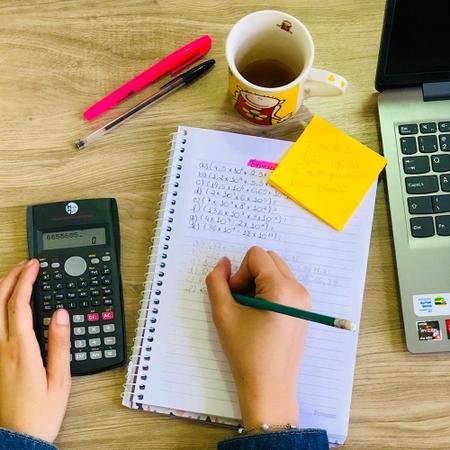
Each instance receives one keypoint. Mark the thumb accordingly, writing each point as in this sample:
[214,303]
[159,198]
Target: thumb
[219,290]
[58,362]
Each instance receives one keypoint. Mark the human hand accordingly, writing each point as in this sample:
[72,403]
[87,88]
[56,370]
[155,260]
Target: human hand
[33,399]
[264,348]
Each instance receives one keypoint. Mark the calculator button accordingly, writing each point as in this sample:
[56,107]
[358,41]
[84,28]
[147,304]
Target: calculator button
[106,281]
[84,304]
[408,129]
[106,258]
[55,265]
[95,302]
[82,284]
[108,302]
[43,265]
[107,291]
[79,331]
[92,317]
[45,334]
[107,315]
[59,297]
[47,308]
[82,294]
[111,340]
[46,321]
[80,343]
[80,356]
[72,305]
[95,293]
[71,295]
[58,286]
[97,354]
[93,273]
[95,261]
[57,276]
[46,287]
[59,306]
[95,283]
[106,271]
[429,127]
[78,318]
[109,328]
[94,342]
[94,329]
[70,285]
[45,277]
[47,297]
[75,266]
[110,353]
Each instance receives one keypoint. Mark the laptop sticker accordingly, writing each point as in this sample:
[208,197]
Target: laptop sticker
[432,304]
[429,330]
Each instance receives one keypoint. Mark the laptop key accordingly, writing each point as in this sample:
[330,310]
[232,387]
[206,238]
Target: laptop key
[422,227]
[444,142]
[408,145]
[408,129]
[429,127]
[420,205]
[443,225]
[417,164]
[422,185]
[440,163]
[441,203]
[444,126]
[445,182]
[428,144]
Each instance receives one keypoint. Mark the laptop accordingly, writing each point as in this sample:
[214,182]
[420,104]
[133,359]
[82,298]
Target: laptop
[413,78]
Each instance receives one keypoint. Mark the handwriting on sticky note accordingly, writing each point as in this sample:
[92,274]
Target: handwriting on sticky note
[327,172]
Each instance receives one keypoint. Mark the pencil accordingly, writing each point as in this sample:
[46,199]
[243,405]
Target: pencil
[267,305]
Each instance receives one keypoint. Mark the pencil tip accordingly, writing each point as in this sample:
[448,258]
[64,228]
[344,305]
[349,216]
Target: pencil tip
[79,145]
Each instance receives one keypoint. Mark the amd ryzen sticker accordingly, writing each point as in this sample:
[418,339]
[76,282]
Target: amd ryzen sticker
[432,304]
[429,330]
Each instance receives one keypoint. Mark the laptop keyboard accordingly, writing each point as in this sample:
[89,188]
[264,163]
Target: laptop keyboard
[426,165]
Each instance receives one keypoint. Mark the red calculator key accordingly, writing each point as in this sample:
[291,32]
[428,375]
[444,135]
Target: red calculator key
[92,317]
[108,315]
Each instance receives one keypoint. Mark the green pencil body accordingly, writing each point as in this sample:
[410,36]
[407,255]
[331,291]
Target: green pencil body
[267,305]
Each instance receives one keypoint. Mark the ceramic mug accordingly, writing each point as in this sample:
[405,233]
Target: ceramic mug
[270,56]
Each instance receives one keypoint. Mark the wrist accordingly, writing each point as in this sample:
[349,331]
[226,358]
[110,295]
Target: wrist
[269,406]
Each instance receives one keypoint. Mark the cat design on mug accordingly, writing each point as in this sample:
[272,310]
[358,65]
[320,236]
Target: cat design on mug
[259,109]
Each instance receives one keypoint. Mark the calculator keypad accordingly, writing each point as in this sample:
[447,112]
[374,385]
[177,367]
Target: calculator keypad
[88,297]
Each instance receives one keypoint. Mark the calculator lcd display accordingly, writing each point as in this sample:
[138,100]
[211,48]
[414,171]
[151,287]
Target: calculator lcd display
[73,238]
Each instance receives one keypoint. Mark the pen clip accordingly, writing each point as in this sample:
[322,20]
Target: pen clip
[185,64]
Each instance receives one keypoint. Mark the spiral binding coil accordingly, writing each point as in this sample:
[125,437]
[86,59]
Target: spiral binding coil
[149,304]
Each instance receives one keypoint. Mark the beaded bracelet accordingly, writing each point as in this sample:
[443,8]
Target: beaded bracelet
[265,428]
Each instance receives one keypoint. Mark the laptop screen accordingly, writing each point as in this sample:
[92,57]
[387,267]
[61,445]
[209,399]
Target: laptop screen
[415,44]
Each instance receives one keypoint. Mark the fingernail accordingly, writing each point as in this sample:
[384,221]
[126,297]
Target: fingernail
[221,260]
[30,262]
[62,317]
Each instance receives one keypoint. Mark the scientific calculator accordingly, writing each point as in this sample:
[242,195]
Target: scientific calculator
[77,244]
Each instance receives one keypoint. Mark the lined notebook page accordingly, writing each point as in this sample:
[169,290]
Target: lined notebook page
[223,207]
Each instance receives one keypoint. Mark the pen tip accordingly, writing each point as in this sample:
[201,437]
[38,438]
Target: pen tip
[80,144]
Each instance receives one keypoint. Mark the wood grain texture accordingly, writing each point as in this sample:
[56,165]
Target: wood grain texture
[57,57]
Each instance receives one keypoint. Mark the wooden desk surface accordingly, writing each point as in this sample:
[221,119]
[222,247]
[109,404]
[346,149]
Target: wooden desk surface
[59,56]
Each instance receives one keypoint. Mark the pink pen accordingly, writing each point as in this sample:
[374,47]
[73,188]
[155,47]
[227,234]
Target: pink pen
[172,64]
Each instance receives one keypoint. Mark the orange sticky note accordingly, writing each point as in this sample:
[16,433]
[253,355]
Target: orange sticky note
[327,172]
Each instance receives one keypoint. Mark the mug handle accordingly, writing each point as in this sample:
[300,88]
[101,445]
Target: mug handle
[323,83]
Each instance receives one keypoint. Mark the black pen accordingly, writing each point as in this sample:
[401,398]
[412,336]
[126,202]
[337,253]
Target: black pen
[178,82]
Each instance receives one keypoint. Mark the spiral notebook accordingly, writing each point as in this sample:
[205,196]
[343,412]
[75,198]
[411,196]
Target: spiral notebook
[216,202]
